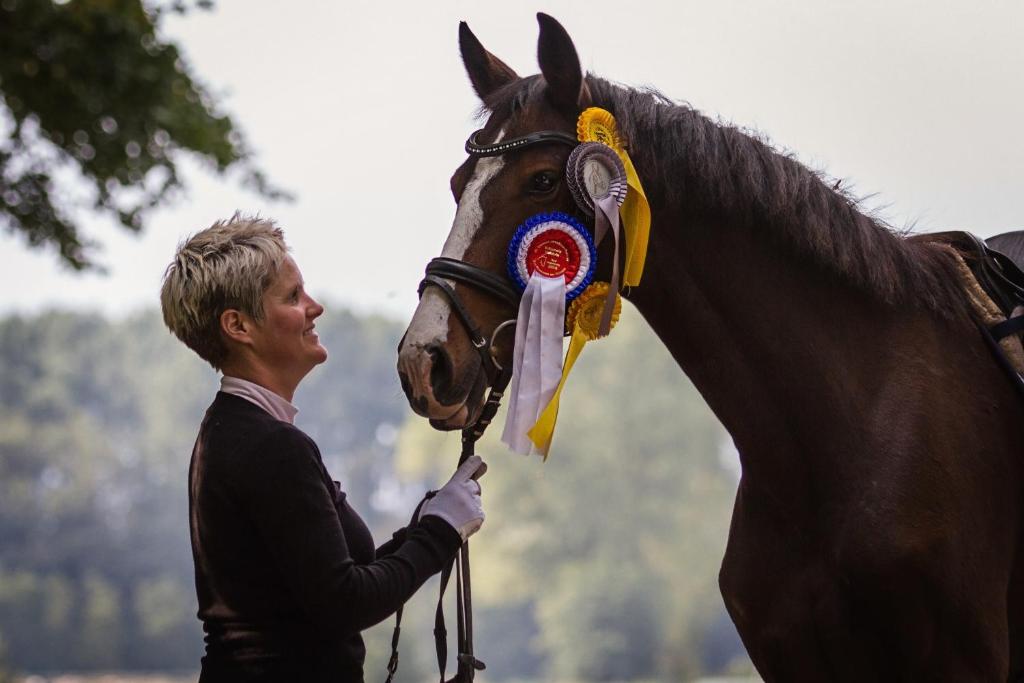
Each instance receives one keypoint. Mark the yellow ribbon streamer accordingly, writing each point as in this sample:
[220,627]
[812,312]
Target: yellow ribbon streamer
[584,318]
[598,125]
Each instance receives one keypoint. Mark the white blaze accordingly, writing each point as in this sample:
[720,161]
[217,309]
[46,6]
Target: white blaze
[430,321]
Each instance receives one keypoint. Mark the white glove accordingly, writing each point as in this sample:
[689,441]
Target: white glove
[458,501]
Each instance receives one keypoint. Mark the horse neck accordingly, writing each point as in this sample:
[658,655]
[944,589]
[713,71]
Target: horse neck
[768,337]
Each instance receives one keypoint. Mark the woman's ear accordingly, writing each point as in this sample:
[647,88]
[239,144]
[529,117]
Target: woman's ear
[236,326]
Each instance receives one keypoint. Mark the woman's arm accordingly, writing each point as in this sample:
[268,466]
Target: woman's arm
[294,512]
[392,544]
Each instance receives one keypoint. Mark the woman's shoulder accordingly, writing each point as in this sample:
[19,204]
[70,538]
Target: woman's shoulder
[233,424]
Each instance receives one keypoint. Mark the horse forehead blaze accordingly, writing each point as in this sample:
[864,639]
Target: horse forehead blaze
[469,215]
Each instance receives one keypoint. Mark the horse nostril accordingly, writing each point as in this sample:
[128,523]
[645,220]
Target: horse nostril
[418,403]
[440,369]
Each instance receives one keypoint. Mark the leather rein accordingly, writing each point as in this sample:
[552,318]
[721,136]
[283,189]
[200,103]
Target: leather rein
[439,272]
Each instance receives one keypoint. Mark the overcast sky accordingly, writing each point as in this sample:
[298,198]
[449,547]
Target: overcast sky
[361,108]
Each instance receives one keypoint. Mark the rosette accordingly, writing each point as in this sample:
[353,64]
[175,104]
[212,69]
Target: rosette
[584,314]
[597,125]
[594,171]
[553,245]
[597,180]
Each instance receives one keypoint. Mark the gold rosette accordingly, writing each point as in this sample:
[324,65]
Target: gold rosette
[598,125]
[584,315]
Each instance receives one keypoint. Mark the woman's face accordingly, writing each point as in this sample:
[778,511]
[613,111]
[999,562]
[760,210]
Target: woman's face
[285,340]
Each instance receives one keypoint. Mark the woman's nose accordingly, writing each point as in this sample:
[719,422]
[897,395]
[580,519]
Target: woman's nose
[315,309]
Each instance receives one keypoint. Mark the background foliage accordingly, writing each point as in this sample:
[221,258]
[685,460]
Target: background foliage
[95,109]
[599,564]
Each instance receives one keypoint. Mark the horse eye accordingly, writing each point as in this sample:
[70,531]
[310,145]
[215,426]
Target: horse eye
[543,182]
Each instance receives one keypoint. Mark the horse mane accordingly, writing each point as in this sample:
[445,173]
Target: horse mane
[720,170]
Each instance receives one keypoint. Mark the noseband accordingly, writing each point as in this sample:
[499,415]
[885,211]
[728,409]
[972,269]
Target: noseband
[442,269]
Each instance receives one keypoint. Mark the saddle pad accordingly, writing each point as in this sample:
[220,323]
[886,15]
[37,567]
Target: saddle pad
[988,312]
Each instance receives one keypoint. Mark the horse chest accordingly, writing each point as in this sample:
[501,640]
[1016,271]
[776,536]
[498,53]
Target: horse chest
[770,579]
[789,606]
[812,604]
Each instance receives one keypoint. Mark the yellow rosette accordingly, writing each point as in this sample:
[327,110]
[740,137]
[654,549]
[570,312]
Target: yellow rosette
[598,125]
[584,320]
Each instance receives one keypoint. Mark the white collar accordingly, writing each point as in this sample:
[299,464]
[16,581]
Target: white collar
[278,407]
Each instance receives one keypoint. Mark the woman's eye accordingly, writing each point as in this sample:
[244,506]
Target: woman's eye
[543,182]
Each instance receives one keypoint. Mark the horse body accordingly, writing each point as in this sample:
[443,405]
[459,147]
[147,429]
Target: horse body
[876,521]
[876,524]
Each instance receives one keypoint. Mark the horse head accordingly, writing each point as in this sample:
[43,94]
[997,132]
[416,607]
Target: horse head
[506,179]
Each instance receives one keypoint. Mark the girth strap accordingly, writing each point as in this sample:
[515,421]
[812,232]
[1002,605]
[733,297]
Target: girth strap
[1008,327]
[1000,356]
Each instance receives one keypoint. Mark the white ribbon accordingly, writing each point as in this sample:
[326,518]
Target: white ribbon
[606,218]
[536,360]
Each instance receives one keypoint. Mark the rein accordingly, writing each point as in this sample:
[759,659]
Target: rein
[439,272]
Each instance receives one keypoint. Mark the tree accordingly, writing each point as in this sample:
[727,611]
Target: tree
[91,98]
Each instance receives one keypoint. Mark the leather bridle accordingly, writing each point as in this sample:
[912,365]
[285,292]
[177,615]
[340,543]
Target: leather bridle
[442,269]
[438,273]
[477,149]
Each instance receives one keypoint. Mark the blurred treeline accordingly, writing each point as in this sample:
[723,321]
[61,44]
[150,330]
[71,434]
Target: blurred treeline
[599,564]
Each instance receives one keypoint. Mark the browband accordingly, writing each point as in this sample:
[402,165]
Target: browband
[473,148]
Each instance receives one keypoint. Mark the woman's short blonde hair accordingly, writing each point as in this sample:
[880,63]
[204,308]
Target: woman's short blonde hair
[228,265]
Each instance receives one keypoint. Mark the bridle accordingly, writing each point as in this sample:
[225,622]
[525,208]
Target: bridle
[438,272]
[441,269]
[477,149]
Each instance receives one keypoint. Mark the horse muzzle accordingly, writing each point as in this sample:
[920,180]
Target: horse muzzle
[450,398]
[444,380]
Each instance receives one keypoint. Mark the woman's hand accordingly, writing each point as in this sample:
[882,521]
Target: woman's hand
[458,502]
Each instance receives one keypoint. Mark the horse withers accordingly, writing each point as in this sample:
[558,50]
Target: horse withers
[877,524]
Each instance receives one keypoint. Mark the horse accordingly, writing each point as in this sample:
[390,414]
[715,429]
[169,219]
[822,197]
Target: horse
[877,522]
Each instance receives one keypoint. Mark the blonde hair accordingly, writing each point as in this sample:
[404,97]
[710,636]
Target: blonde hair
[228,265]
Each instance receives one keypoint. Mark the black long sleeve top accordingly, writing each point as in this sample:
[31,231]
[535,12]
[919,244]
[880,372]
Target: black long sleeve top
[286,571]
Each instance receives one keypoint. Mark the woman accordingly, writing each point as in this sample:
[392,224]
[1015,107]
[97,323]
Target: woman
[286,572]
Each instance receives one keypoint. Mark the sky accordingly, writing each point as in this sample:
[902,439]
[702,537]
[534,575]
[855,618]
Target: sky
[361,109]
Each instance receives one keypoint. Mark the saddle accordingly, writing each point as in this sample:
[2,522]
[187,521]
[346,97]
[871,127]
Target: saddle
[992,272]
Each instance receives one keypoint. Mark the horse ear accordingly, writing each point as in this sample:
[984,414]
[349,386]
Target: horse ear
[486,72]
[560,66]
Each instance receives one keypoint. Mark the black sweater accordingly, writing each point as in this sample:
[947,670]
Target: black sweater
[286,571]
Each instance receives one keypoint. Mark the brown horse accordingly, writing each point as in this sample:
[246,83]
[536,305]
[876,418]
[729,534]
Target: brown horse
[876,528]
